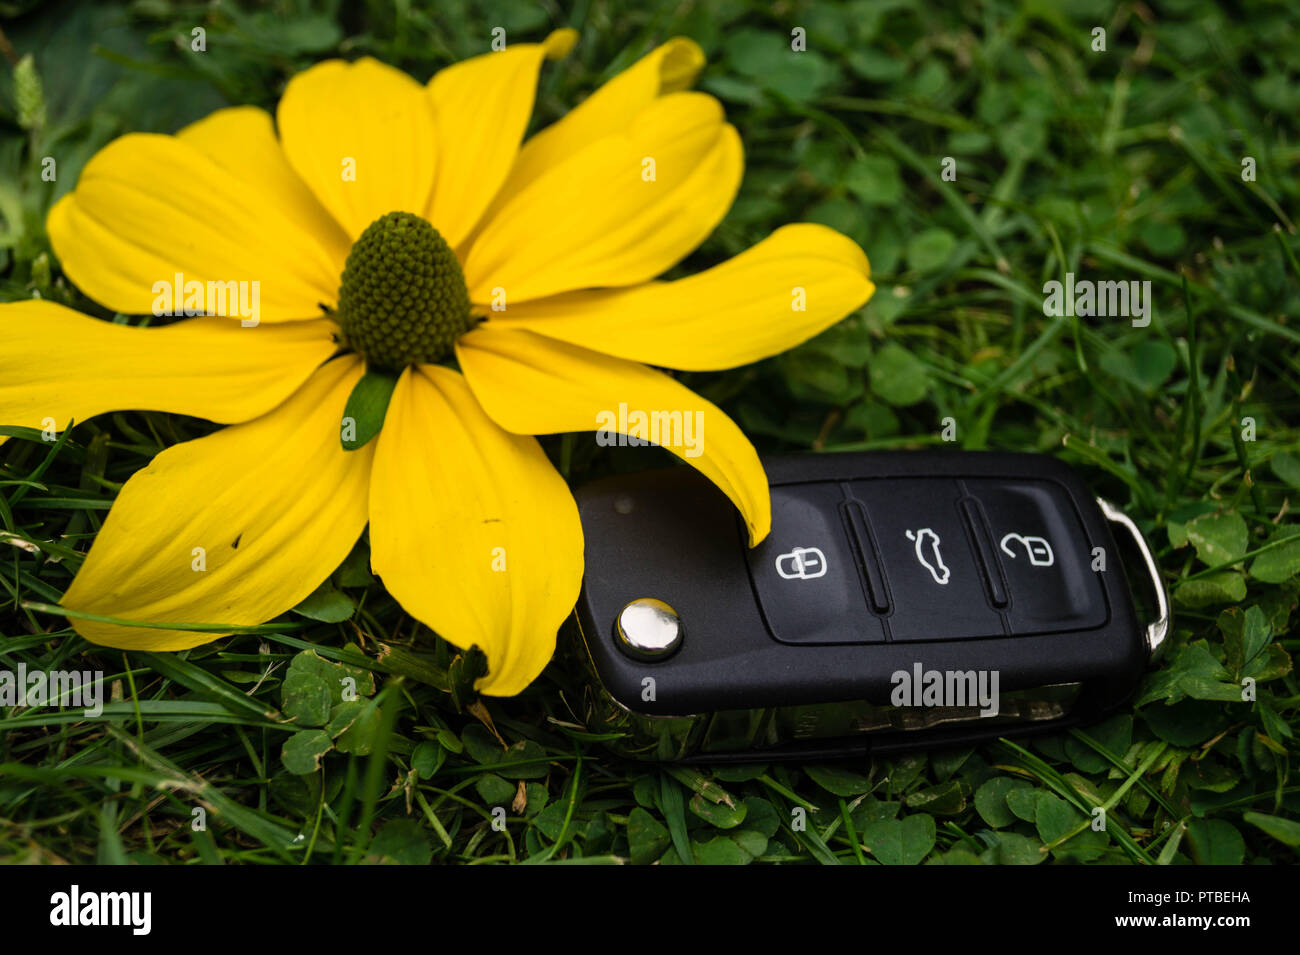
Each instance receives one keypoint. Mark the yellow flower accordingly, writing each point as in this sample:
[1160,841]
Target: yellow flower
[530,263]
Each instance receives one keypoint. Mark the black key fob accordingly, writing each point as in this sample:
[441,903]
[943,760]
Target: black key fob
[902,600]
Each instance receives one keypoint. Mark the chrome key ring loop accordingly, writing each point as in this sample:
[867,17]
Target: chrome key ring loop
[1158,630]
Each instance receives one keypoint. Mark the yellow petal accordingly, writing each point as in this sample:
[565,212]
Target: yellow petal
[242,139]
[361,135]
[794,284]
[619,212]
[472,529]
[481,109]
[148,207]
[668,68]
[59,365]
[234,528]
[529,384]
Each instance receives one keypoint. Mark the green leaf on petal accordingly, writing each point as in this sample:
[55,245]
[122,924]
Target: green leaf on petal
[363,416]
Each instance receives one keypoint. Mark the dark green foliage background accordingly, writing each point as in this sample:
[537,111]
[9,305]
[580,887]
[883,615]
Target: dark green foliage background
[1117,165]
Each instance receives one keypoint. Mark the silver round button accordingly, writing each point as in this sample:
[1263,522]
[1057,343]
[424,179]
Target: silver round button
[648,629]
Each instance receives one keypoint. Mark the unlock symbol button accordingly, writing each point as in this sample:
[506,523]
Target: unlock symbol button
[1036,548]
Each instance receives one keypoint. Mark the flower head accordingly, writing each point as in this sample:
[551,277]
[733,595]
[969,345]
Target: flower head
[381,226]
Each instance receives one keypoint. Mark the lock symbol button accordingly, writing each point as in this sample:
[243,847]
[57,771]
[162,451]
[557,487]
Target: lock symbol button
[802,563]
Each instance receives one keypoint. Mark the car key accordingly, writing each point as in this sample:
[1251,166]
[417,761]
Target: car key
[901,600]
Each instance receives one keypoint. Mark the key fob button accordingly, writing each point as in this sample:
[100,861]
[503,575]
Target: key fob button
[935,584]
[805,572]
[1044,553]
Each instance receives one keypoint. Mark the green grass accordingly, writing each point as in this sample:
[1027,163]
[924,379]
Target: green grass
[1119,165]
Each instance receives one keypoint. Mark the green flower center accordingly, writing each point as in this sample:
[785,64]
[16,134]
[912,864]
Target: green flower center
[403,298]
